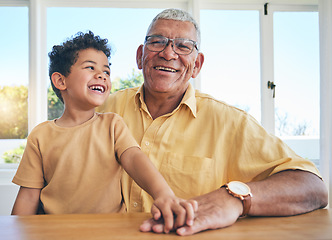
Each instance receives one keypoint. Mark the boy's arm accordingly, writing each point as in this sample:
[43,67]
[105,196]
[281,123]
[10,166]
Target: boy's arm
[27,201]
[140,168]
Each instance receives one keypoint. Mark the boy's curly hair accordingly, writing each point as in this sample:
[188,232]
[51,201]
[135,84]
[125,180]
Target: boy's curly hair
[64,56]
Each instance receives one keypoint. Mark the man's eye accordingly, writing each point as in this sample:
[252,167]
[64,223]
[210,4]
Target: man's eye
[90,67]
[107,73]
[183,46]
[157,41]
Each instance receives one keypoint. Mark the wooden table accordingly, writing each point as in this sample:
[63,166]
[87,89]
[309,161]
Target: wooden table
[314,225]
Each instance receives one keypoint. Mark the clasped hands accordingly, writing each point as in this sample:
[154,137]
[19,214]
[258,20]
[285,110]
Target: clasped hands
[213,210]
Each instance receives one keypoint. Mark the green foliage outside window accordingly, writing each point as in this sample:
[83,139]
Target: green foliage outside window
[14,155]
[55,106]
[133,80]
[13,112]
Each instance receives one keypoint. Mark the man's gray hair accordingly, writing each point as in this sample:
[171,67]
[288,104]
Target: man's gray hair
[178,15]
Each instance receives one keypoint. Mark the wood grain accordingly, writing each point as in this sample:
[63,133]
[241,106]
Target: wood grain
[314,225]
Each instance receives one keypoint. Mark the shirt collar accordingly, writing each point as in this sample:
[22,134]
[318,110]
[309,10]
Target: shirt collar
[139,99]
[188,99]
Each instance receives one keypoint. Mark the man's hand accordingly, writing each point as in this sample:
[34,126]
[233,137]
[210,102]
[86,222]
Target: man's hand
[215,210]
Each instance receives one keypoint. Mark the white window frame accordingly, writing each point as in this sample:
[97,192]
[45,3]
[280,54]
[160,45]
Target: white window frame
[325,27]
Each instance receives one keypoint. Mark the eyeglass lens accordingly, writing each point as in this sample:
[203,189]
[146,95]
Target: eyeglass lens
[180,46]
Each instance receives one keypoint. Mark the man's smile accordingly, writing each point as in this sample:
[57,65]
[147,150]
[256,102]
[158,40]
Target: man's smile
[166,69]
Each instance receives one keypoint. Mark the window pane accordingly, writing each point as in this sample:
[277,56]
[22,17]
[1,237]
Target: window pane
[296,46]
[231,71]
[124,28]
[14,78]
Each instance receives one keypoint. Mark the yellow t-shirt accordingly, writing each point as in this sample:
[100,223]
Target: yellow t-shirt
[200,146]
[77,168]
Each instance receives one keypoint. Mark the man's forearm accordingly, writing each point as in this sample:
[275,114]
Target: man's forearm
[286,193]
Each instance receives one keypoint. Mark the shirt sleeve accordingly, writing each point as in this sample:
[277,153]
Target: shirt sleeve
[261,154]
[30,171]
[123,137]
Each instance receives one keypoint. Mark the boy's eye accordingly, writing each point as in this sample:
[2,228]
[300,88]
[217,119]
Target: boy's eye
[90,67]
[107,73]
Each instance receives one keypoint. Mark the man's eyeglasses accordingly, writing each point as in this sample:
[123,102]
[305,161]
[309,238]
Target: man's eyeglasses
[181,46]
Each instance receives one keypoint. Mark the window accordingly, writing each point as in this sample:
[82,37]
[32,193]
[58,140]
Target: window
[296,75]
[231,44]
[231,71]
[296,58]
[14,79]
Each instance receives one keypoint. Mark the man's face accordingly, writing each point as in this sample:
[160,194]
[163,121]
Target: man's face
[166,71]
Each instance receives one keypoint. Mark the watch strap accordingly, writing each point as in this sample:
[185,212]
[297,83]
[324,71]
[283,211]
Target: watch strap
[246,202]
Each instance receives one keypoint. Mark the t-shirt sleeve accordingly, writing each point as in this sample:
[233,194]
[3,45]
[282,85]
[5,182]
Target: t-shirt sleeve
[122,137]
[30,171]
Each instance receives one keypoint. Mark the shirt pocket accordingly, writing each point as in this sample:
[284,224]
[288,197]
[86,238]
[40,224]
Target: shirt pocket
[190,176]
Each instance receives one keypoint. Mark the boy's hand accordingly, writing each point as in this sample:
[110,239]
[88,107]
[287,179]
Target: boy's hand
[174,212]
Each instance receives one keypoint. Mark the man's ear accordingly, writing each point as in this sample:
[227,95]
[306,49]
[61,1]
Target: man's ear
[139,54]
[58,81]
[198,64]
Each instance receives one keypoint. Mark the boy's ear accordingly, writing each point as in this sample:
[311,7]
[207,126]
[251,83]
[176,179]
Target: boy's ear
[58,81]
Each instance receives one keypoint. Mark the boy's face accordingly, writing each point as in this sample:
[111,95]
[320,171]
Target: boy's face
[88,84]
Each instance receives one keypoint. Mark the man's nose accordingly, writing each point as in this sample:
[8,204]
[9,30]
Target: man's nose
[168,51]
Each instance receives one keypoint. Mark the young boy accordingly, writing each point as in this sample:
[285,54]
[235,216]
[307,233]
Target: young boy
[73,164]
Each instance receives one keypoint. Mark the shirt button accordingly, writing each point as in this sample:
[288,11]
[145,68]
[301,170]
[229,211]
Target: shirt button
[147,143]
[135,204]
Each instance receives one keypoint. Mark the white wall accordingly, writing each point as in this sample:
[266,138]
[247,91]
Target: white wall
[8,191]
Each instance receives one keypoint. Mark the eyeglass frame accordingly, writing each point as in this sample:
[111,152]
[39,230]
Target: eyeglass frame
[172,40]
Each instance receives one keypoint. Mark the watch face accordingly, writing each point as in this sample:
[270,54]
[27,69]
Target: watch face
[239,188]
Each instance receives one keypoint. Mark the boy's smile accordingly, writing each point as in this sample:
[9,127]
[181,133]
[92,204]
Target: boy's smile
[97,88]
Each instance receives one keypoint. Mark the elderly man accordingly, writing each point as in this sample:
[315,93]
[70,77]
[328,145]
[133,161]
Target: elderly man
[206,150]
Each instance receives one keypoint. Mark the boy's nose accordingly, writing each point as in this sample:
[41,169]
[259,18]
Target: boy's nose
[101,75]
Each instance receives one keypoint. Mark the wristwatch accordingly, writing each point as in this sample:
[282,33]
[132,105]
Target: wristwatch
[242,191]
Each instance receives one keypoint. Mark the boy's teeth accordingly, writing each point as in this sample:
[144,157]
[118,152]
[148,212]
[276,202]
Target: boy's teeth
[97,88]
